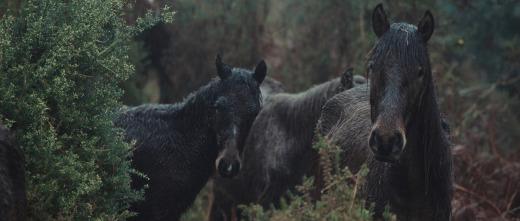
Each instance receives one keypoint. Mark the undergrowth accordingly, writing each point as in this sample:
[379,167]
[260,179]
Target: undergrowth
[341,197]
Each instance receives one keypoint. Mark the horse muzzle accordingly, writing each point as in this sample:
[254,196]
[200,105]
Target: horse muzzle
[228,162]
[386,148]
[228,168]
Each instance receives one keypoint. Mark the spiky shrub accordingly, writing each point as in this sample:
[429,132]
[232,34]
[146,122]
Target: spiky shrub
[61,62]
[340,199]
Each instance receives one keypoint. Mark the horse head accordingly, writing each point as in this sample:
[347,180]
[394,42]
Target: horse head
[400,73]
[236,107]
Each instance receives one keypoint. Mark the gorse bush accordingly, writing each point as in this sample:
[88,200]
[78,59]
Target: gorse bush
[61,62]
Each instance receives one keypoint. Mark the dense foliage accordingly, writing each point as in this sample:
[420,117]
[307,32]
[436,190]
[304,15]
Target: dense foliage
[61,62]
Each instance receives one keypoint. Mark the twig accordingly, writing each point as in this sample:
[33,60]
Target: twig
[135,147]
[511,203]
[108,48]
[354,195]
[496,84]
[334,183]
[47,85]
[491,133]
[478,196]
[102,150]
[504,202]
[329,186]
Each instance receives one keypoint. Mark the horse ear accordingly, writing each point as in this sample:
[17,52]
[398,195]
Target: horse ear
[222,68]
[425,26]
[380,22]
[260,72]
[347,78]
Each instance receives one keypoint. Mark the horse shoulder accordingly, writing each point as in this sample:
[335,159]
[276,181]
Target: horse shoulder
[342,106]
[267,132]
[345,121]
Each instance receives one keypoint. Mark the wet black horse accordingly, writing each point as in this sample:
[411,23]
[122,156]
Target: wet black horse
[178,146]
[278,151]
[395,126]
[13,200]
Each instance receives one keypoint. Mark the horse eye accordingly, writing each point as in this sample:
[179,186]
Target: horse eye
[420,71]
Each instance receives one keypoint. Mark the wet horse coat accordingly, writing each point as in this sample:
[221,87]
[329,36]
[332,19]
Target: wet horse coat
[278,151]
[178,146]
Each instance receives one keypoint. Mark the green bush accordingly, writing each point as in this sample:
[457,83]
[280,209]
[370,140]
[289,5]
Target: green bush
[61,62]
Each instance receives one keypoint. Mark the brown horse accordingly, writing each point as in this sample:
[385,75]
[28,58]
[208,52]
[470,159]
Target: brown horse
[396,127]
[278,150]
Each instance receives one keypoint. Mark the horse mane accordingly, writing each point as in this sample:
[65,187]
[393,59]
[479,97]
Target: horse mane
[271,86]
[405,44]
[197,103]
[438,165]
[304,106]
[206,95]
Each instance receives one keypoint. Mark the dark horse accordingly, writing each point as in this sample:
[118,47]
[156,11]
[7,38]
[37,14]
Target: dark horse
[278,151]
[396,127]
[178,146]
[13,200]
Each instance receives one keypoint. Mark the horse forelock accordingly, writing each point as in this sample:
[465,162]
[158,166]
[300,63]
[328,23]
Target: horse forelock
[245,76]
[401,44]
[208,94]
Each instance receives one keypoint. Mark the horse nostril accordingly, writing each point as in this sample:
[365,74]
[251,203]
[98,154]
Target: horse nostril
[374,140]
[228,169]
[397,142]
[386,146]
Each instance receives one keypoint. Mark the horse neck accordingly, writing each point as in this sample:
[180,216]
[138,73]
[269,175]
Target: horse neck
[306,106]
[429,162]
[197,110]
[300,112]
